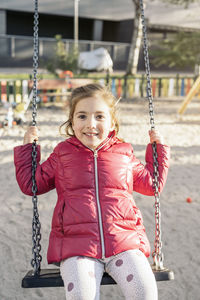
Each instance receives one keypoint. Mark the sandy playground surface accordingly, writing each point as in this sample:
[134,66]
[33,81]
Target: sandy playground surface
[180,219]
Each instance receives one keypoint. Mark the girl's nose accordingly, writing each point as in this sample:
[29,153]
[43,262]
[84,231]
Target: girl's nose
[91,122]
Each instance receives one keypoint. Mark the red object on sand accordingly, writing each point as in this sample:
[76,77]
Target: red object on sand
[189,200]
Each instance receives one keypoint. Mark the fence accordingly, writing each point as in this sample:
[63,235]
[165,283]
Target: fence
[126,87]
[17,51]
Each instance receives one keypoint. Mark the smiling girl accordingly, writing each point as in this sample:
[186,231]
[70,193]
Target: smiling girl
[96,224]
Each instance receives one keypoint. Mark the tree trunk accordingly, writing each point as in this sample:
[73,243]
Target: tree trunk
[136,41]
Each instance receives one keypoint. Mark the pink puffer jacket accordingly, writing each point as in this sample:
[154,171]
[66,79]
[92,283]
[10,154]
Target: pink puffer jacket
[95,214]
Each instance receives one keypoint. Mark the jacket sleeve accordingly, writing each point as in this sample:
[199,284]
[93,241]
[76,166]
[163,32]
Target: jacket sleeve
[45,172]
[143,174]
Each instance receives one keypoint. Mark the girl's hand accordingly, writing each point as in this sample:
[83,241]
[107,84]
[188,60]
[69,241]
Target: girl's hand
[155,136]
[31,135]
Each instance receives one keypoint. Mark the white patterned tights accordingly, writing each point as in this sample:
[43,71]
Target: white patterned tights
[130,269]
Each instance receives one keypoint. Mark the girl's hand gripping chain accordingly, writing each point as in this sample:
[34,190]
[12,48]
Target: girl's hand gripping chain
[155,136]
[31,135]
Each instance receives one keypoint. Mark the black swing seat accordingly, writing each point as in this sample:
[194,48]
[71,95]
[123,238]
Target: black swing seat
[52,278]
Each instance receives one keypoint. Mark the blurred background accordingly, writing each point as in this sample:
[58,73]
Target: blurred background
[113,25]
[98,40]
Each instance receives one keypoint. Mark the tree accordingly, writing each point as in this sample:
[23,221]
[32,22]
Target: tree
[183,50]
[62,60]
[137,34]
[136,41]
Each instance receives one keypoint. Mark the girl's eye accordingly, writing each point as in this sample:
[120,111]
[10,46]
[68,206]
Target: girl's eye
[82,117]
[100,117]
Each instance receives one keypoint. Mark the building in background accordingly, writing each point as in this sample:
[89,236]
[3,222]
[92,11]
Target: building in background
[102,23]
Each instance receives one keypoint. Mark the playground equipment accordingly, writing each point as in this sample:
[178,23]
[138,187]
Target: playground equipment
[51,277]
[16,112]
[193,91]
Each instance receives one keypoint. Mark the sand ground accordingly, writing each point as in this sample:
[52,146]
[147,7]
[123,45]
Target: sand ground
[180,220]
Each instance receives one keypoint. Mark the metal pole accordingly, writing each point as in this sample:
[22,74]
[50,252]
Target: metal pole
[76,2]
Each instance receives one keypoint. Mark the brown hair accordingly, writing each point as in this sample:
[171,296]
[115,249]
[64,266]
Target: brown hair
[86,91]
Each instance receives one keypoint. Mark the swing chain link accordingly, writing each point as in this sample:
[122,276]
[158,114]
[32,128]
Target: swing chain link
[158,257]
[35,63]
[36,226]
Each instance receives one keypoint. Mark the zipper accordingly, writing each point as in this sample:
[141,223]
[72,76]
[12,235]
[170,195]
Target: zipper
[97,196]
[98,204]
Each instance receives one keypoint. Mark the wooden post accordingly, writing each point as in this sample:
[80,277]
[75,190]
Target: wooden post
[190,96]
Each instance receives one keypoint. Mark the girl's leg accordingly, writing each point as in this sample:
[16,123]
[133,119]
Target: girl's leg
[133,274]
[82,277]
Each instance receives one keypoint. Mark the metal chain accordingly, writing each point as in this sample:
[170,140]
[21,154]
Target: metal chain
[157,254]
[35,62]
[36,226]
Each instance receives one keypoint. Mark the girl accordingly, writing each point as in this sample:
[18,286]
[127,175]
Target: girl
[96,224]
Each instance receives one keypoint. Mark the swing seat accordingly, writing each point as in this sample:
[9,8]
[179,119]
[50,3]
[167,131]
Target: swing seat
[52,278]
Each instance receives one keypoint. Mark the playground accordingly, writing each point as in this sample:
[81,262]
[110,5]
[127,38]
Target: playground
[179,200]
[178,121]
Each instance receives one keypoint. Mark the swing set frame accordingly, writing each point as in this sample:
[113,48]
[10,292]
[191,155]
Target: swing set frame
[38,277]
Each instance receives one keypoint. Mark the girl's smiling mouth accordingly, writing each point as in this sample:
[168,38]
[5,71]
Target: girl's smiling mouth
[90,134]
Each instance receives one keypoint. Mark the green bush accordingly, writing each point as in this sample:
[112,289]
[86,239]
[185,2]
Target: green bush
[62,60]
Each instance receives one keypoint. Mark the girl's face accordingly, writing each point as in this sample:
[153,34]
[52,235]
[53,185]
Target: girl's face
[92,121]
